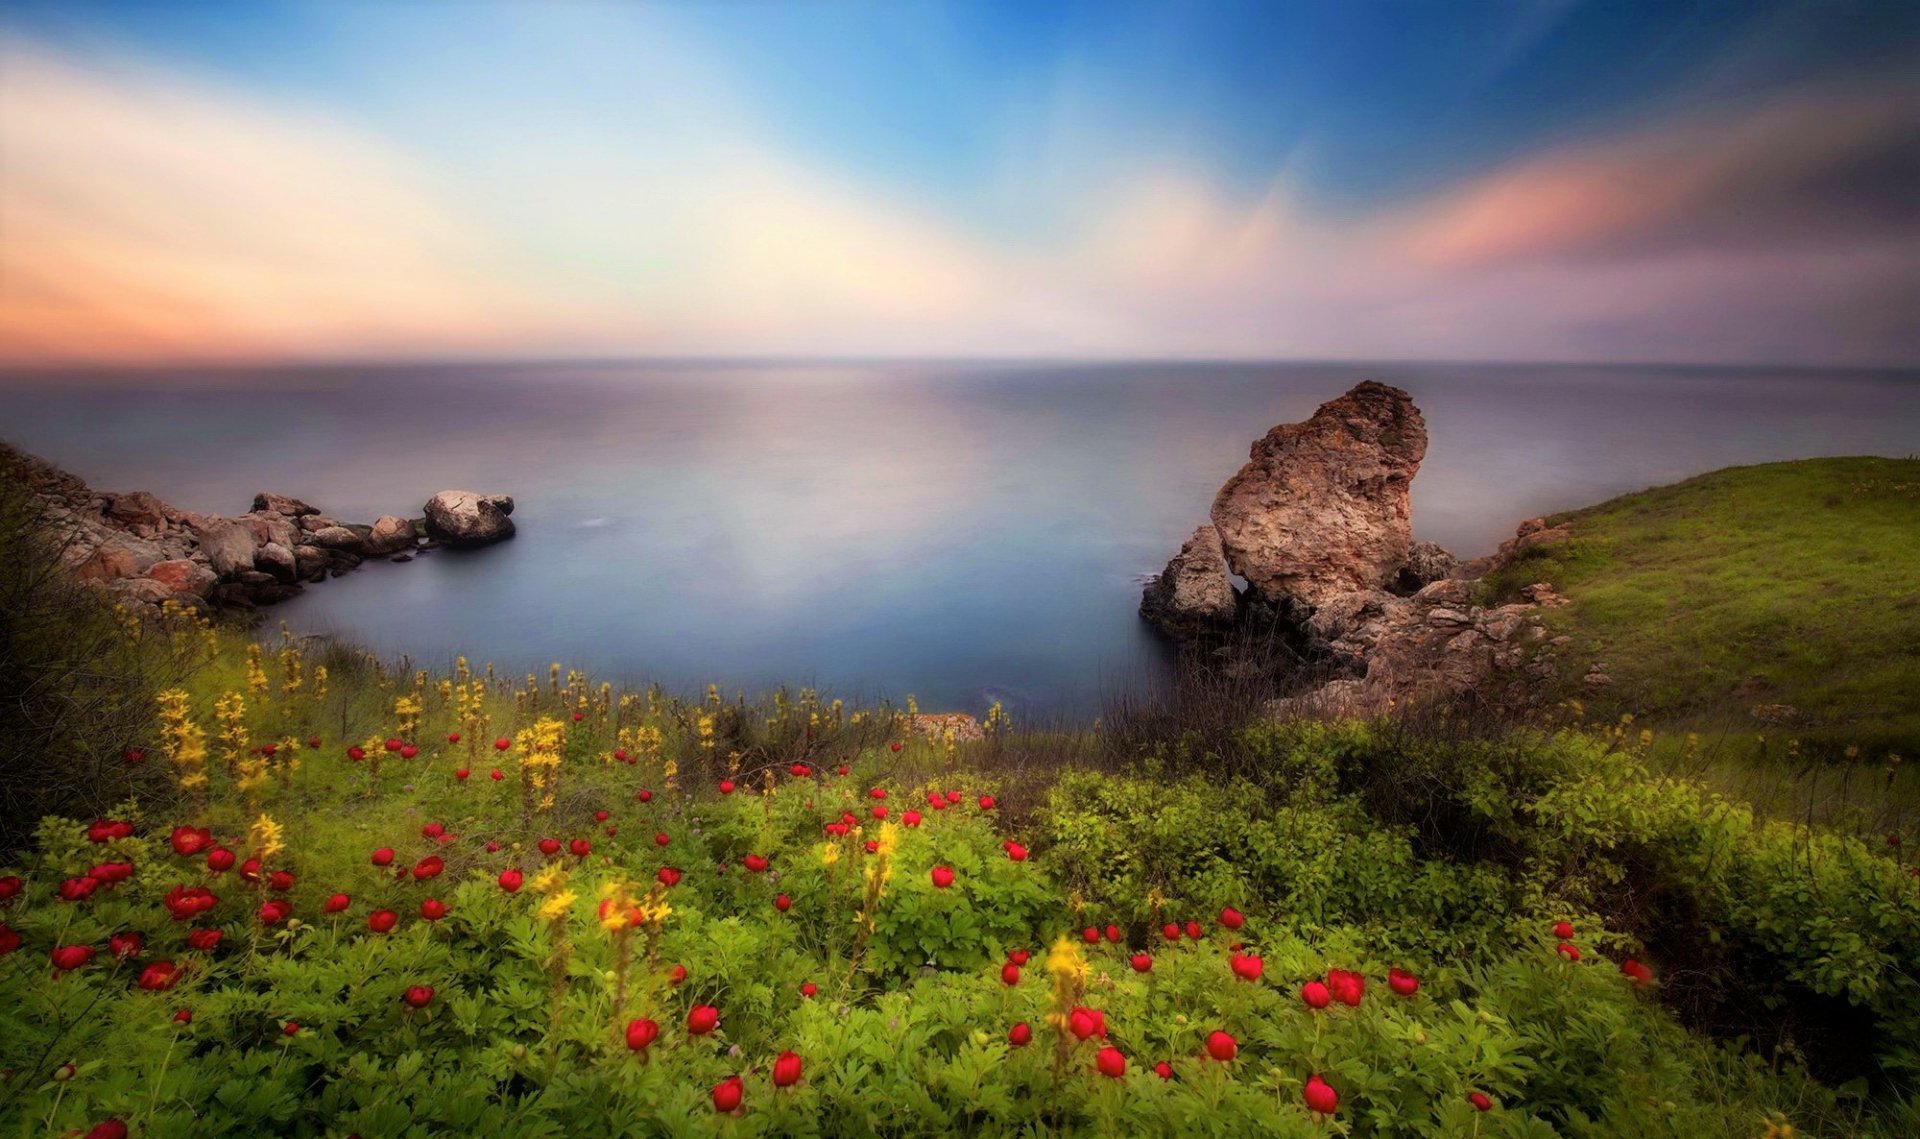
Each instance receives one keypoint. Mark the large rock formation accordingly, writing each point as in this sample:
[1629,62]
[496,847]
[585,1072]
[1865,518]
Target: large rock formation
[1321,507]
[1319,524]
[463,518]
[1193,594]
[144,551]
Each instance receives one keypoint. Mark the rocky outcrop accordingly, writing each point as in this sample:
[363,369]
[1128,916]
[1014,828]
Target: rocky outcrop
[1193,594]
[146,552]
[1319,524]
[1321,507]
[463,518]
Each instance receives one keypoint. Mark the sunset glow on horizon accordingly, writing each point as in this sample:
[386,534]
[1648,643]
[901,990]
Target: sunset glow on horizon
[1567,181]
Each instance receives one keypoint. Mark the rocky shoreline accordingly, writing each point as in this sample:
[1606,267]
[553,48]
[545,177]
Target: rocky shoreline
[147,553]
[1318,523]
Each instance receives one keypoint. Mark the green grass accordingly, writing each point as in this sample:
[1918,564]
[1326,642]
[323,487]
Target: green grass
[1788,583]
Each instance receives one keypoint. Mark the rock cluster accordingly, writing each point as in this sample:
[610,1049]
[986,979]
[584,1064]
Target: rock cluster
[146,552]
[1318,523]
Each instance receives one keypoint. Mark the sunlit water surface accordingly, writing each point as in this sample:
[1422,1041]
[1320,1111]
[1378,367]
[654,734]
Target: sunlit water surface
[962,532]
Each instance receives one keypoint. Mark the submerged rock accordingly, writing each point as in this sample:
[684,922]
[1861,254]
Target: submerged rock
[1193,594]
[390,535]
[463,518]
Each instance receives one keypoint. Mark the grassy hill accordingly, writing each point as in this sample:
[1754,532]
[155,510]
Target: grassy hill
[1780,600]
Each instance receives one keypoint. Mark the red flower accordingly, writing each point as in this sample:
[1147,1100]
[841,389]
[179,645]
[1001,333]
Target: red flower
[79,889]
[986,802]
[726,786]
[580,847]
[1085,1022]
[840,770]
[702,1019]
[1320,1097]
[124,945]
[461,774]
[910,817]
[1015,851]
[1222,1047]
[250,870]
[510,880]
[549,846]
[409,751]
[1402,982]
[394,745]
[433,830]
[418,996]
[111,873]
[276,911]
[1164,1070]
[1232,918]
[1111,1063]
[496,775]
[1170,931]
[942,877]
[1009,974]
[1019,1036]
[280,881]
[1480,1101]
[640,1033]
[109,1129]
[678,975]
[643,795]
[159,976]
[1114,934]
[953,797]
[1568,950]
[9,887]
[783,903]
[433,909]
[873,847]
[808,989]
[1315,994]
[204,940]
[428,867]
[1194,931]
[599,816]
[183,902]
[219,859]
[291,1028]
[336,904]
[895,745]
[69,957]
[727,1093]
[189,841]
[9,939]
[754,863]
[134,755]
[1141,963]
[669,876]
[381,921]
[1090,935]
[453,737]
[878,812]
[502,744]
[1636,971]
[1247,967]
[879,792]
[356,753]
[184,1016]
[1563,930]
[493,846]
[1347,988]
[786,1070]
[383,856]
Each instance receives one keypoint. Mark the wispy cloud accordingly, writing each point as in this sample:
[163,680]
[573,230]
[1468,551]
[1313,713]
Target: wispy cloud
[146,214]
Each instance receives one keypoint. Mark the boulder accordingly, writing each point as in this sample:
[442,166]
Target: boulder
[183,576]
[1427,563]
[268,527]
[314,523]
[335,538]
[463,518]
[141,589]
[276,560]
[228,546]
[268,502]
[117,557]
[390,535]
[137,508]
[1193,594]
[1322,507]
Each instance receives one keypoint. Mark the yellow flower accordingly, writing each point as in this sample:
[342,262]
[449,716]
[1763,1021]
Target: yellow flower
[265,837]
[1064,961]
[557,905]
[551,877]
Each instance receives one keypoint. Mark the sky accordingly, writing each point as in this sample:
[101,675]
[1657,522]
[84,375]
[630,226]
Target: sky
[450,179]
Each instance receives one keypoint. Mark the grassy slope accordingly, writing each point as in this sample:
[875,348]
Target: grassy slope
[1789,583]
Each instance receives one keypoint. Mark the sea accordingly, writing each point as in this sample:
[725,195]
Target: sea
[962,532]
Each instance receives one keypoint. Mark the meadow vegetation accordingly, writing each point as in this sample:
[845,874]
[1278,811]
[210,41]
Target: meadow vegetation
[290,889]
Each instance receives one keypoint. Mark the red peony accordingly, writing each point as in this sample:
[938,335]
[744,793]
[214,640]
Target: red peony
[1320,1097]
[1009,974]
[782,903]
[549,846]
[1222,1047]
[418,996]
[1110,1062]
[1347,988]
[1015,851]
[1402,982]
[669,876]
[1019,1036]
[942,877]
[383,856]
[428,867]
[189,841]
[1315,994]
[702,1019]
[204,940]
[1247,967]
[381,921]
[727,1093]
[336,904]
[159,976]
[1141,963]
[1480,1101]
[69,957]
[1563,930]
[433,909]
[124,945]
[510,880]
[641,1033]
[1232,918]
[786,1070]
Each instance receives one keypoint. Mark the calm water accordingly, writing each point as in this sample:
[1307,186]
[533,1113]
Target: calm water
[960,532]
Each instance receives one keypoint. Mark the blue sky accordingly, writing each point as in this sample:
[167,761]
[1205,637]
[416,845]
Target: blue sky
[1476,180]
